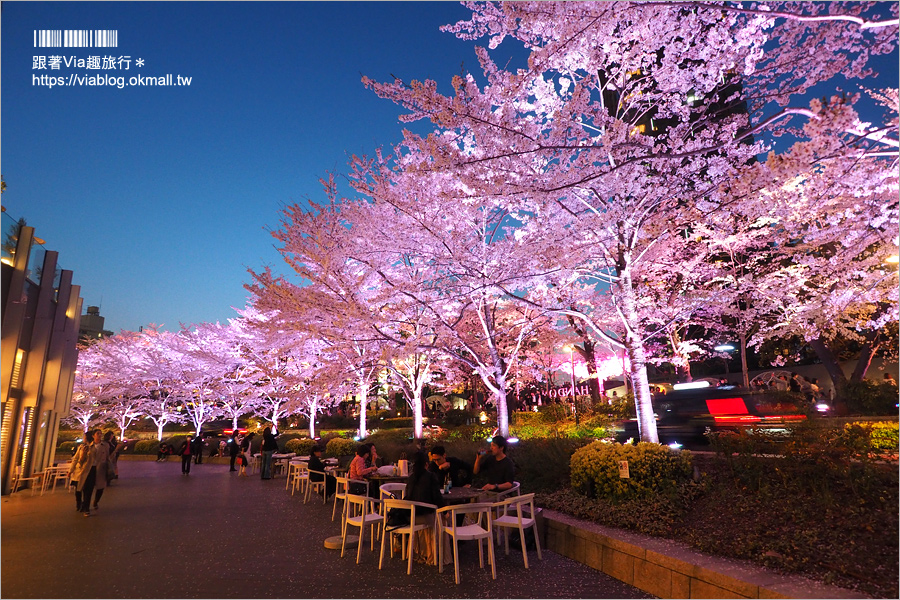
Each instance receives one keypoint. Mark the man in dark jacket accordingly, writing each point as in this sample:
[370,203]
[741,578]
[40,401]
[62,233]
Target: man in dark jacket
[197,449]
[459,471]
[234,447]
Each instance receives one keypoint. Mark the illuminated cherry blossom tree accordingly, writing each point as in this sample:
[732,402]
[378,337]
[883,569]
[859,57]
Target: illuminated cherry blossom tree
[619,140]
[91,395]
[155,369]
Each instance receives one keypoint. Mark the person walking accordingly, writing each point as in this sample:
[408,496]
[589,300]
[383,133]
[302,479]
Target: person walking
[185,453]
[115,448]
[269,446]
[197,449]
[90,471]
[81,461]
[234,448]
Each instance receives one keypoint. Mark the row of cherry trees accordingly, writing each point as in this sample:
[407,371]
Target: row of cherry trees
[656,169]
[199,374]
[620,179]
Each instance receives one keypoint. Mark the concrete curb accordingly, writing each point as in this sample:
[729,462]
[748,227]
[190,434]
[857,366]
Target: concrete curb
[669,569]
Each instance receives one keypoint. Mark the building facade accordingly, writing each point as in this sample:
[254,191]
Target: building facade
[38,351]
[91,327]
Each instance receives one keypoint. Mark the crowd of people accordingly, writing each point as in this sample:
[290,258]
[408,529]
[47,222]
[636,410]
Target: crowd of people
[94,466]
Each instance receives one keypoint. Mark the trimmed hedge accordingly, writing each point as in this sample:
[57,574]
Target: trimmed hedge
[542,465]
[867,397]
[301,447]
[340,447]
[881,435]
[146,447]
[397,423]
[653,469]
[67,447]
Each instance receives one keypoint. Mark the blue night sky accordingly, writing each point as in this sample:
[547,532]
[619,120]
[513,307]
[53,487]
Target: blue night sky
[158,198]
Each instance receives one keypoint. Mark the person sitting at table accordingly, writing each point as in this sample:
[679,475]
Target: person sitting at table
[497,466]
[315,464]
[424,486]
[371,460]
[359,470]
[458,470]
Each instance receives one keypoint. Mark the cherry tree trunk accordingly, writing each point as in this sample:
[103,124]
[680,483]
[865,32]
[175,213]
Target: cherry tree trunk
[276,412]
[634,345]
[589,354]
[502,408]
[363,404]
[744,370]
[313,409]
[866,354]
[417,413]
[590,360]
[838,379]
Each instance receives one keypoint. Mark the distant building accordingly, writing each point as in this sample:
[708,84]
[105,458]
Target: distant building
[39,354]
[92,325]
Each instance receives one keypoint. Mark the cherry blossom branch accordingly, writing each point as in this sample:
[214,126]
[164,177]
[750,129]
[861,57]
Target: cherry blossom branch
[863,23]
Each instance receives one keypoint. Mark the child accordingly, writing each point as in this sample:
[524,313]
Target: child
[242,458]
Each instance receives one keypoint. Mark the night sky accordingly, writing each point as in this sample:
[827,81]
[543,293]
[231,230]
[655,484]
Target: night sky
[159,198]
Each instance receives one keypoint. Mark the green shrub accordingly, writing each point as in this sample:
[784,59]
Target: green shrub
[397,423]
[469,433]
[552,413]
[542,465]
[146,447]
[884,435]
[456,417]
[340,447]
[69,435]
[66,447]
[816,458]
[300,447]
[653,469]
[394,436]
[869,398]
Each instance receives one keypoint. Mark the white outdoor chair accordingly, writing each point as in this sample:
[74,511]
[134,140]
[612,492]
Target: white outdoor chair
[398,490]
[36,479]
[479,528]
[407,531]
[298,477]
[360,511]
[316,486]
[52,475]
[513,491]
[340,493]
[517,513]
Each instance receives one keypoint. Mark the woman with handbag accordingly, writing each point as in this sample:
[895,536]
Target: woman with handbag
[90,470]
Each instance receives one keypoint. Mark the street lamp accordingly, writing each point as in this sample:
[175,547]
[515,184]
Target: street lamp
[571,349]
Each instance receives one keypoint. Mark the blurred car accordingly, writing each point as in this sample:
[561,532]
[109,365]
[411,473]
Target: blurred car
[686,415]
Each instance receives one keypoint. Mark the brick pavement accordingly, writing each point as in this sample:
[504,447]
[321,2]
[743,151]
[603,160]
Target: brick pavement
[159,534]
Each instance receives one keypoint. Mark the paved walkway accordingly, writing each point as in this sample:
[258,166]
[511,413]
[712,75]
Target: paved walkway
[159,534]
